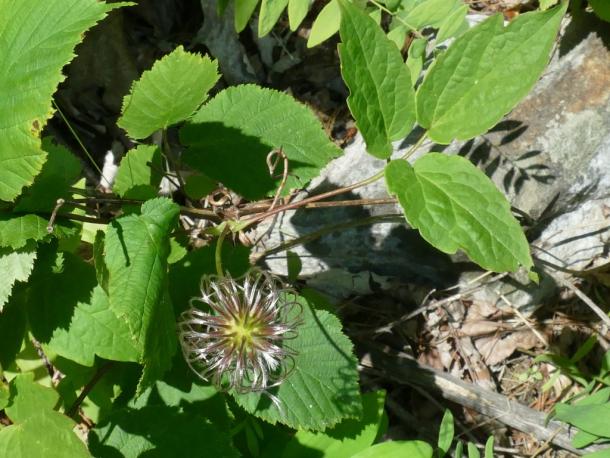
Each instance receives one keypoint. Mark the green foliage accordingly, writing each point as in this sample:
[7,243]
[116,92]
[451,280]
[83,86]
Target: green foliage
[136,254]
[42,34]
[445,434]
[326,24]
[484,74]
[16,231]
[347,438]
[397,449]
[38,430]
[168,93]
[139,173]
[61,170]
[234,128]
[322,389]
[15,266]
[601,8]
[269,14]
[455,206]
[381,95]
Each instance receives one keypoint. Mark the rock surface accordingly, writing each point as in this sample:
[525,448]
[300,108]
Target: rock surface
[551,156]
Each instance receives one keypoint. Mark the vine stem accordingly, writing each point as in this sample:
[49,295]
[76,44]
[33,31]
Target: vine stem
[335,192]
[72,411]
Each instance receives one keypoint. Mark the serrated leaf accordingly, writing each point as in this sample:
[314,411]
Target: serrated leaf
[381,98]
[455,206]
[60,171]
[14,266]
[168,93]
[230,137]
[39,37]
[159,431]
[141,169]
[347,438]
[197,186]
[326,24]
[16,231]
[243,12]
[47,434]
[297,10]
[484,74]
[269,14]
[322,389]
[397,449]
[137,248]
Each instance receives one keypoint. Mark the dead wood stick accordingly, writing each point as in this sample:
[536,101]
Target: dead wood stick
[403,369]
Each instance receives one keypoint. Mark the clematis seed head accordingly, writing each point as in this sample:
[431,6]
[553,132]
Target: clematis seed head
[236,334]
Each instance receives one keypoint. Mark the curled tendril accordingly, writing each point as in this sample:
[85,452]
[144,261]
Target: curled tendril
[235,335]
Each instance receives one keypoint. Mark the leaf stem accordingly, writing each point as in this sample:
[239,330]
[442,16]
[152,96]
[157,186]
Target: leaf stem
[413,30]
[218,253]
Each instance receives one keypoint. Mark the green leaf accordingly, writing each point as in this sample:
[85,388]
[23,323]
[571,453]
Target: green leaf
[347,438]
[484,74]
[12,327]
[454,24]
[243,12]
[326,24]
[198,186]
[297,10]
[269,15]
[445,434]
[39,37]
[489,447]
[397,449]
[95,329]
[546,4]
[14,266]
[159,431]
[427,13]
[61,171]
[601,8]
[15,232]
[381,96]
[473,452]
[230,137]
[47,434]
[4,395]
[455,206]
[168,93]
[415,58]
[28,398]
[591,418]
[137,248]
[322,389]
[139,172]
[583,439]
